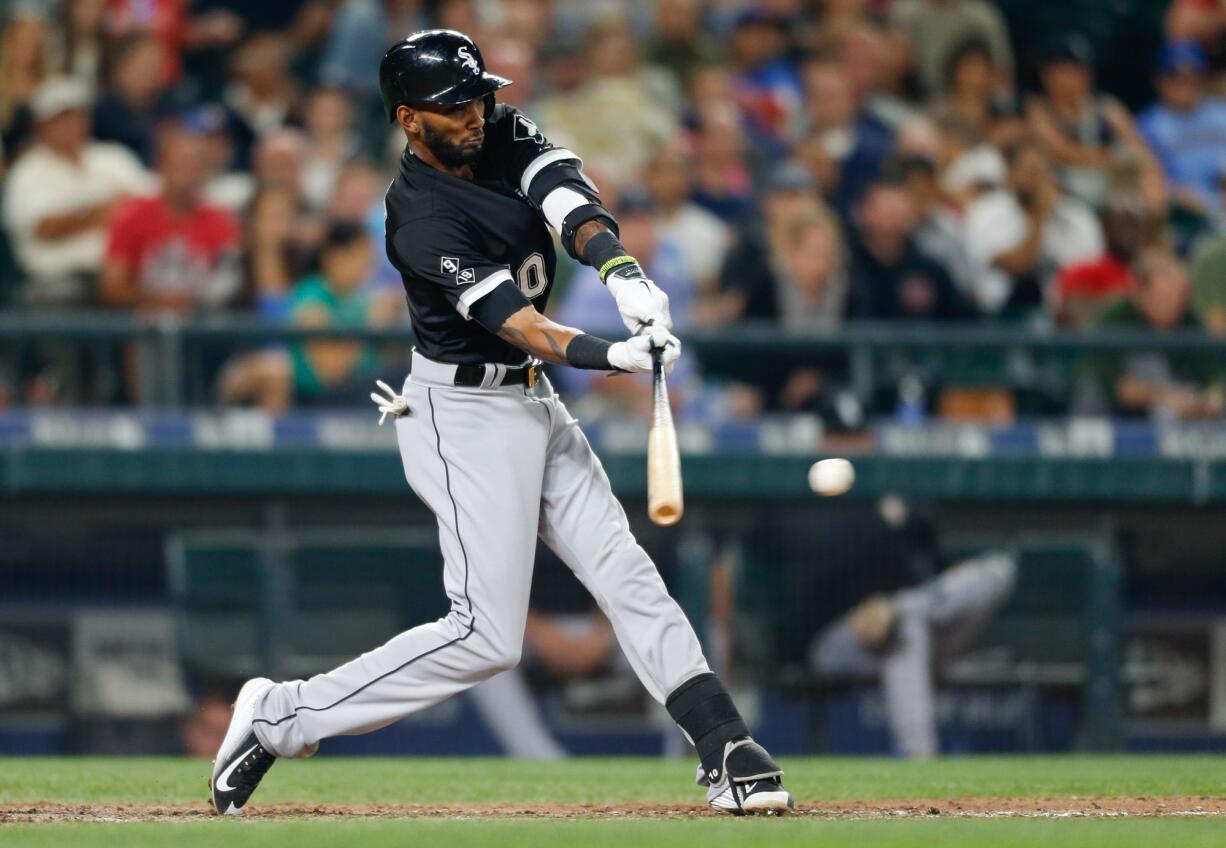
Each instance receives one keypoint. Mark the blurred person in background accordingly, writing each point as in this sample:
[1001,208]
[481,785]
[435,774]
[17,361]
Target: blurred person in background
[1087,134]
[1154,384]
[172,251]
[1081,289]
[880,602]
[855,140]
[622,109]
[679,41]
[692,232]
[1187,129]
[969,165]
[261,96]
[128,109]
[330,143]
[274,258]
[361,31]
[722,182]
[227,188]
[515,58]
[935,28]
[751,281]
[976,91]
[82,25]
[1024,232]
[60,194]
[890,278]
[765,85]
[283,231]
[939,234]
[27,60]
[878,59]
[318,371]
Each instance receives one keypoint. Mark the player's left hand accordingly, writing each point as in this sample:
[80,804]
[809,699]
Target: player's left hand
[637,353]
[639,300]
[393,404]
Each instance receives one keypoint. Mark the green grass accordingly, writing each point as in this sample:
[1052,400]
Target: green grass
[456,781]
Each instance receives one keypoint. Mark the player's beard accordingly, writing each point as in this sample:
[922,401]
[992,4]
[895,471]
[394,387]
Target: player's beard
[450,154]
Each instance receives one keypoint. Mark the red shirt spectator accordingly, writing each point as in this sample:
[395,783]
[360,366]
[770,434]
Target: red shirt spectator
[173,251]
[1082,288]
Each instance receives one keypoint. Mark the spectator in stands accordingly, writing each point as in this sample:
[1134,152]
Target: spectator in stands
[275,258]
[937,27]
[1187,129]
[621,111]
[330,143]
[128,111]
[262,95]
[1187,386]
[319,371]
[750,279]
[679,41]
[878,60]
[1081,289]
[1087,134]
[1023,233]
[722,183]
[697,236]
[890,278]
[854,140]
[976,92]
[82,25]
[361,32]
[172,251]
[939,233]
[26,61]
[60,194]
[765,85]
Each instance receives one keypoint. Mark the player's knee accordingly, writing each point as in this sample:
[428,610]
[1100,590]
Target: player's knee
[502,658]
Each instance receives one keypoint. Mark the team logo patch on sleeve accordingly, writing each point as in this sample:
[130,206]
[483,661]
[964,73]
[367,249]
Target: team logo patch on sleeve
[468,275]
[526,129]
[449,265]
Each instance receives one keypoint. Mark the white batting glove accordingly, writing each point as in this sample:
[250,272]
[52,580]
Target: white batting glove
[394,404]
[635,353]
[639,300]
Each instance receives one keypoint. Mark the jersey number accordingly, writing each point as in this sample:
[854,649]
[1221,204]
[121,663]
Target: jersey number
[531,276]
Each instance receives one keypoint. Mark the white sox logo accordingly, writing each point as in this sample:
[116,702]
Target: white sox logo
[467,60]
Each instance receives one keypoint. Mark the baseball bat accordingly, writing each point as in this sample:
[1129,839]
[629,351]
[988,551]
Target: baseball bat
[665,503]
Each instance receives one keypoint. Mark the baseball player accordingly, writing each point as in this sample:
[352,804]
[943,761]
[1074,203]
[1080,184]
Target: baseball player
[488,445]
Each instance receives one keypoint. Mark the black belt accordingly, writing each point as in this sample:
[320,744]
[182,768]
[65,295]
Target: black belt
[522,375]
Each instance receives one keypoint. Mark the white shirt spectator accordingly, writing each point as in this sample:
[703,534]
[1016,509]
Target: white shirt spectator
[700,237]
[996,223]
[42,184]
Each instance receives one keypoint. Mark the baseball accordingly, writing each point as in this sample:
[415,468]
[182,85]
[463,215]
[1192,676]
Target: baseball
[831,477]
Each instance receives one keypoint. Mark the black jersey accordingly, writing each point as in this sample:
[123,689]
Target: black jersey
[473,252]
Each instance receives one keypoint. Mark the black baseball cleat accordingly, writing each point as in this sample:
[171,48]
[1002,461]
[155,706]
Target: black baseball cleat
[749,783]
[241,761]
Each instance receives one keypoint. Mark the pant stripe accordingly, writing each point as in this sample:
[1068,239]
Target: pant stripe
[472,624]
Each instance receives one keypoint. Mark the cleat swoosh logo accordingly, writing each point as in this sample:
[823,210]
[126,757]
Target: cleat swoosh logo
[223,780]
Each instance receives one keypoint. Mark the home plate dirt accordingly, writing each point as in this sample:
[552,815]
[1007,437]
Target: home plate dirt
[39,813]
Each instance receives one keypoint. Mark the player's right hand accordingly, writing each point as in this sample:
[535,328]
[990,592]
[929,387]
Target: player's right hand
[393,404]
[635,353]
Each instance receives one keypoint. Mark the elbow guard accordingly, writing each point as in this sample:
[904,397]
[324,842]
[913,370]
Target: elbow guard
[568,200]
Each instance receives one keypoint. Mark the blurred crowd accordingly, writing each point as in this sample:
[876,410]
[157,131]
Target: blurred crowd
[799,162]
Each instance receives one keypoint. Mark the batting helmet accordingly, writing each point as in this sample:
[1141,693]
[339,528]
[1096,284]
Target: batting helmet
[434,66]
